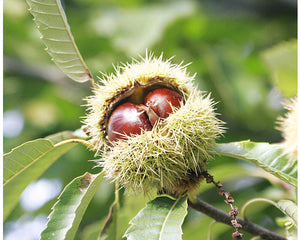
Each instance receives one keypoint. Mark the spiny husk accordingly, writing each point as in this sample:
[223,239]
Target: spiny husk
[125,77]
[288,126]
[172,156]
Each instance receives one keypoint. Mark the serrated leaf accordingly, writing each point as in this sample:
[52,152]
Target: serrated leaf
[161,219]
[71,205]
[264,155]
[56,35]
[26,163]
[281,61]
[290,209]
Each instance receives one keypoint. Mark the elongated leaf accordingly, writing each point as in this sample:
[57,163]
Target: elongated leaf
[25,164]
[160,219]
[264,155]
[56,34]
[290,209]
[70,207]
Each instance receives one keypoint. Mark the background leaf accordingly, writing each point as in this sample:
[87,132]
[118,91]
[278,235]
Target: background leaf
[56,34]
[25,164]
[290,209]
[160,219]
[70,207]
[264,155]
[282,63]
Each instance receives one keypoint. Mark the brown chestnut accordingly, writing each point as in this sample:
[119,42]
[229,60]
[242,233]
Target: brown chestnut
[127,119]
[162,100]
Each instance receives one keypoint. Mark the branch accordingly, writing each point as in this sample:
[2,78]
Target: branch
[223,217]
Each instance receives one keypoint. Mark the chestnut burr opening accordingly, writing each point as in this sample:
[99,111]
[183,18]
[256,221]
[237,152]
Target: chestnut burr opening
[130,118]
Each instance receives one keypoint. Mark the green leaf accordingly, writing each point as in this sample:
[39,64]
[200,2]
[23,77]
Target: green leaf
[282,63]
[26,163]
[56,35]
[160,219]
[264,155]
[290,209]
[109,230]
[71,205]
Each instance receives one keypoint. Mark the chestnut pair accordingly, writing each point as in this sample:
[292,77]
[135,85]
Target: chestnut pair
[131,119]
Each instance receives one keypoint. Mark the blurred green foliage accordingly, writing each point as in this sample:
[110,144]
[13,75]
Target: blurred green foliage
[224,42]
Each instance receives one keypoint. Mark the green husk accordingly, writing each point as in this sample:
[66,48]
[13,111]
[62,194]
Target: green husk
[173,155]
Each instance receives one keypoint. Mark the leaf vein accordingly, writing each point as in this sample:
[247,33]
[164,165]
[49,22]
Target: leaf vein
[44,13]
[42,3]
[166,218]
[57,40]
[61,52]
[28,165]
[65,61]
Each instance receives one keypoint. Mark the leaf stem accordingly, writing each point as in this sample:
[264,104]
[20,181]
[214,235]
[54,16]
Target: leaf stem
[75,140]
[117,202]
[92,80]
[255,200]
[210,229]
[166,218]
[223,217]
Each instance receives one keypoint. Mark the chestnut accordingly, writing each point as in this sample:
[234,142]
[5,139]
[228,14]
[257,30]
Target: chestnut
[162,100]
[127,119]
